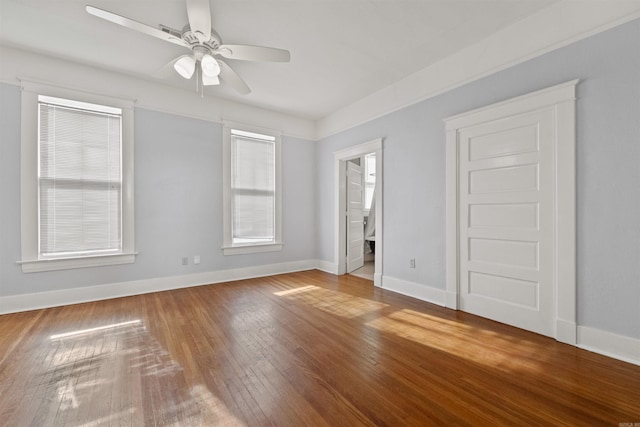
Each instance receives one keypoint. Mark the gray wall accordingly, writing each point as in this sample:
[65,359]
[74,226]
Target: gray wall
[178,203]
[608,163]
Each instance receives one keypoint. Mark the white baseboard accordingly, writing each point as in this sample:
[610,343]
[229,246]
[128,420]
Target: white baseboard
[609,344]
[415,290]
[566,331]
[33,301]
[326,266]
[598,341]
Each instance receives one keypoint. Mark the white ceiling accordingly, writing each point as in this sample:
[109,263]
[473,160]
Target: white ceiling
[341,50]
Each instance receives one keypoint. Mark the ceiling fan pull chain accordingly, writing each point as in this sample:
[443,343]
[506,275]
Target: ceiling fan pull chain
[197,79]
[201,84]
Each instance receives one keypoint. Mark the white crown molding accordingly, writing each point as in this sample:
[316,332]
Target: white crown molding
[562,24]
[18,64]
[34,301]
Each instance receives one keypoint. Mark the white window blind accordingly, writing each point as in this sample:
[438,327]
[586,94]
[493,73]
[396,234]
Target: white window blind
[79,178]
[253,187]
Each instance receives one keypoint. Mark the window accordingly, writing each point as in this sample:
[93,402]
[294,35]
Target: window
[251,192]
[76,180]
[79,178]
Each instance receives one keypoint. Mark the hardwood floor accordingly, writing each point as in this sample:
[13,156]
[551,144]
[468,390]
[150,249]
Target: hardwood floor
[299,349]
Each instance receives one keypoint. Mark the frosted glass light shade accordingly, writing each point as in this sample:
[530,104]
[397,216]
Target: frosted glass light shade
[210,67]
[185,66]
[210,81]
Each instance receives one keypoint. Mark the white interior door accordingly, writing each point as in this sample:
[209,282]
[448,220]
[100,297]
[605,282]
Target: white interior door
[355,218]
[506,207]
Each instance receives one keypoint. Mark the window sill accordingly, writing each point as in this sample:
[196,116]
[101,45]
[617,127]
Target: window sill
[39,265]
[251,249]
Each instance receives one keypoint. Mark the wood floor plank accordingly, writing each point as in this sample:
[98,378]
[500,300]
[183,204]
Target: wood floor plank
[305,348]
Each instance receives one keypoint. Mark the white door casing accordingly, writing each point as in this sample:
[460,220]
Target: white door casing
[340,223]
[355,217]
[511,212]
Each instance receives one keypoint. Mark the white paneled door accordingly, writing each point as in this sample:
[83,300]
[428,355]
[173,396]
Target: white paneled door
[506,191]
[511,212]
[355,218]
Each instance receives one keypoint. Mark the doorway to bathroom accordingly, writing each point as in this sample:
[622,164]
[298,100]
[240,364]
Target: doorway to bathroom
[358,246]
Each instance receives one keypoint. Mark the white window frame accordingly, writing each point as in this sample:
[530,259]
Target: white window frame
[229,248]
[31,260]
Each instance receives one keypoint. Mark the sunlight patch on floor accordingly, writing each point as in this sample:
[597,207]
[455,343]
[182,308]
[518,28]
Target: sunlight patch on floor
[92,330]
[458,340]
[295,290]
[333,302]
[97,376]
[214,411]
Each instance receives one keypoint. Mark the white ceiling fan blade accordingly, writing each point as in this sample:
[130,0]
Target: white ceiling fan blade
[166,70]
[232,78]
[199,13]
[253,53]
[135,25]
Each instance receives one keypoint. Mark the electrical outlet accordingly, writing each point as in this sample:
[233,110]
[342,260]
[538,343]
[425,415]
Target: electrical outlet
[185,260]
[196,259]
[412,263]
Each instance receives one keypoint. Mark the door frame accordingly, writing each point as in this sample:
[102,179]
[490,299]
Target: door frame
[561,100]
[340,247]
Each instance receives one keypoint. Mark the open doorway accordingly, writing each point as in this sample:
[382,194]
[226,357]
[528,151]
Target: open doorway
[361,229]
[358,230]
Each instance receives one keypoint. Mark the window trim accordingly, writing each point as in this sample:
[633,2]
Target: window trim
[228,247]
[31,260]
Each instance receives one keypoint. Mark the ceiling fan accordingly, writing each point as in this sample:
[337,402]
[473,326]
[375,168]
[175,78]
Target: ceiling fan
[207,50]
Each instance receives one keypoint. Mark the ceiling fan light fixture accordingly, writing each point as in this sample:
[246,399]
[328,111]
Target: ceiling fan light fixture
[210,66]
[185,66]
[207,53]
[210,80]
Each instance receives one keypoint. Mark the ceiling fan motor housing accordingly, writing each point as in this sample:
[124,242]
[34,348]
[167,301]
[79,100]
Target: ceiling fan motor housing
[192,40]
